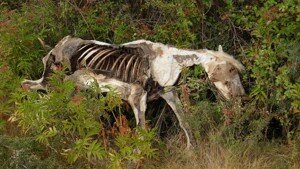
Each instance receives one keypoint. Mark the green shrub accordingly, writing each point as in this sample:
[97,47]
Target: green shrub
[71,124]
[273,59]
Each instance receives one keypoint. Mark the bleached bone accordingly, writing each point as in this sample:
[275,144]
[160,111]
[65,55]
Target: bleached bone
[90,54]
[84,53]
[109,64]
[115,65]
[220,49]
[106,54]
[84,46]
[119,71]
[127,67]
[134,69]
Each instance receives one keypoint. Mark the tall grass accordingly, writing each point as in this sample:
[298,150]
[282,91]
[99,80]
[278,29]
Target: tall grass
[212,155]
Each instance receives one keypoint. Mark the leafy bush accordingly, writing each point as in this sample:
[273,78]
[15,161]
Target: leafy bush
[72,124]
[273,61]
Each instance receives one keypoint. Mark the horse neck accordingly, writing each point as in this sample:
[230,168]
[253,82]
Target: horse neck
[188,58]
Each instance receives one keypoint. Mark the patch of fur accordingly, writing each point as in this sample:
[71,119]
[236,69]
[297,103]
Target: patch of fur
[226,57]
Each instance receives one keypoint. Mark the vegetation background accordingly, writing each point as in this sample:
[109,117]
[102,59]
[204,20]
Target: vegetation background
[64,129]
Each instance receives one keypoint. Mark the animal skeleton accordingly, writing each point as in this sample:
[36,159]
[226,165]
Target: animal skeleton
[140,69]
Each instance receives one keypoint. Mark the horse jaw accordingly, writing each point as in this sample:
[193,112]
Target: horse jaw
[231,88]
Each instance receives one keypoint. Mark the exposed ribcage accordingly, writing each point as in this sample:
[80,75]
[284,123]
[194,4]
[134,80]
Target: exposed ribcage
[126,64]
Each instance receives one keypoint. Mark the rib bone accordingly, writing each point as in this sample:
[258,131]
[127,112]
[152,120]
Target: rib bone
[111,52]
[84,53]
[115,62]
[121,65]
[128,67]
[98,56]
[134,69]
[89,55]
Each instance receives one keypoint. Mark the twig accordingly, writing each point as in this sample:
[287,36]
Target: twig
[159,120]
[78,9]
[236,35]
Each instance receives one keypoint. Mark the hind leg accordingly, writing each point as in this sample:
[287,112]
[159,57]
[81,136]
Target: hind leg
[137,100]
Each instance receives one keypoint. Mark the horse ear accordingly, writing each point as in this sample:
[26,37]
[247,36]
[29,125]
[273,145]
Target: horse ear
[220,48]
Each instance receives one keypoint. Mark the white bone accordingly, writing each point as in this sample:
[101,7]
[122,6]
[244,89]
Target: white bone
[220,48]
[115,65]
[106,53]
[128,67]
[84,53]
[89,55]
[100,43]
[134,69]
[121,65]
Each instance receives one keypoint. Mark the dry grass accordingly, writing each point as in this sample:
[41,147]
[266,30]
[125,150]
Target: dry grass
[208,155]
